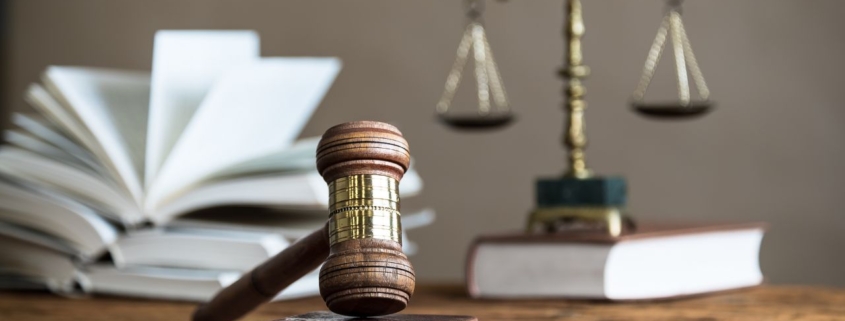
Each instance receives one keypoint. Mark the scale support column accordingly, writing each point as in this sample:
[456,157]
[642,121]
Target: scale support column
[578,200]
[573,71]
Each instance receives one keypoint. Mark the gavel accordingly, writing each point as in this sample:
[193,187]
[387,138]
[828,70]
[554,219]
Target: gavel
[365,272]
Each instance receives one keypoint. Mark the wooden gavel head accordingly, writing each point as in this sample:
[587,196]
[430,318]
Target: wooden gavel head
[366,273]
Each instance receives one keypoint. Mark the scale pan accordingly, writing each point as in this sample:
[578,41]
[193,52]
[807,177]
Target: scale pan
[673,110]
[475,122]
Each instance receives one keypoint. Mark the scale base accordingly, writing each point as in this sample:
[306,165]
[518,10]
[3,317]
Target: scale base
[569,203]
[610,220]
[328,316]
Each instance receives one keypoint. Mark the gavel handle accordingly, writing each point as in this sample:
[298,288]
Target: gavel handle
[266,280]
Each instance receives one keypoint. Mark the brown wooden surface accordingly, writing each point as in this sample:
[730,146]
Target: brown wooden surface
[762,303]
[328,316]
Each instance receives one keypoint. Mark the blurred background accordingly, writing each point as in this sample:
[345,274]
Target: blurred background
[772,151]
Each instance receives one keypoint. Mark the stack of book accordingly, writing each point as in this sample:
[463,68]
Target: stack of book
[167,184]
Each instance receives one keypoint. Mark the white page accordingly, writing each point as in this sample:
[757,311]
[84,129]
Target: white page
[52,268]
[185,65]
[31,143]
[196,249]
[41,100]
[83,185]
[46,105]
[304,190]
[179,284]
[302,155]
[252,111]
[40,128]
[36,238]
[113,106]
[85,231]
[156,282]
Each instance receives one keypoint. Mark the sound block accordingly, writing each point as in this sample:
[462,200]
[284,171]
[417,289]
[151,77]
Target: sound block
[576,192]
[328,316]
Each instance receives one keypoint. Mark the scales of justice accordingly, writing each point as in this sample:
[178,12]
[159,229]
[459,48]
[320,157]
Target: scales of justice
[364,274]
[578,199]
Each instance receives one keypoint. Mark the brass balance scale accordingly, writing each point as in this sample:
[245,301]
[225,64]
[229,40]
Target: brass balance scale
[578,199]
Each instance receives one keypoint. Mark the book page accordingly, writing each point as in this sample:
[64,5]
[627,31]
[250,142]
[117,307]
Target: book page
[66,122]
[51,213]
[82,185]
[304,190]
[185,65]
[301,156]
[41,128]
[211,249]
[250,112]
[27,259]
[33,144]
[41,100]
[35,237]
[113,106]
[159,283]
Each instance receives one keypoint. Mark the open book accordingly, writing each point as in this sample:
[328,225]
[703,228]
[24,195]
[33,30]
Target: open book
[94,181]
[38,260]
[211,119]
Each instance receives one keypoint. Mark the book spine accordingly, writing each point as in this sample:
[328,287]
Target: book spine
[472,287]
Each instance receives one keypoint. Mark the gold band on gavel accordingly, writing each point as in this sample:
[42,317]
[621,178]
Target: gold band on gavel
[364,206]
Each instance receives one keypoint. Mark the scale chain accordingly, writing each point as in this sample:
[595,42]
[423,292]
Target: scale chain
[686,64]
[487,76]
[692,63]
[481,69]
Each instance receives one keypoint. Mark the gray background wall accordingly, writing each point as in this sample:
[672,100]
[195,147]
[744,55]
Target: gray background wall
[773,150]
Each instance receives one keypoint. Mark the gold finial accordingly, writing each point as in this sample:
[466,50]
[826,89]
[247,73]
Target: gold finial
[574,138]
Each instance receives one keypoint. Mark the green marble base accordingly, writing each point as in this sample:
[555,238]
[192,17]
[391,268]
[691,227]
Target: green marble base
[597,201]
[594,191]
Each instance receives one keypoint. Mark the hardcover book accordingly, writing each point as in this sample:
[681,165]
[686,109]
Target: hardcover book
[654,262]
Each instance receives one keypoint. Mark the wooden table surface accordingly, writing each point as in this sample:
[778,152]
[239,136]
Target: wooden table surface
[762,303]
